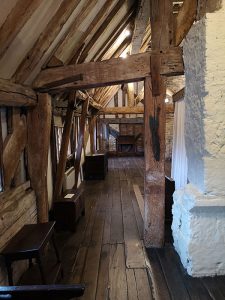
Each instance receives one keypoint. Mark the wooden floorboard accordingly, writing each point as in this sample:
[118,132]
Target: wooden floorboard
[106,252]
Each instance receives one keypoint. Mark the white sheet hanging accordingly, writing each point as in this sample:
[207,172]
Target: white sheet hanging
[179,158]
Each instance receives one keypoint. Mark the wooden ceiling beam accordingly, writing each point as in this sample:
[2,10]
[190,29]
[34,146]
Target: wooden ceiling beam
[68,39]
[179,95]
[93,27]
[138,120]
[184,20]
[100,31]
[12,94]
[109,72]
[15,21]
[45,40]
[122,110]
[115,35]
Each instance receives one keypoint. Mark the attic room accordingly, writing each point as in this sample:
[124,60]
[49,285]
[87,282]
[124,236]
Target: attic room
[112,151]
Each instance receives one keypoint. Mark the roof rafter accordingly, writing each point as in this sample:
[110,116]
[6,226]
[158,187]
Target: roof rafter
[45,39]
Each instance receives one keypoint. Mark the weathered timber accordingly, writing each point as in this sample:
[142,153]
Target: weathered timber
[92,131]
[80,142]
[12,94]
[122,110]
[184,20]
[130,110]
[39,128]
[130,94]
[100,30]
[141,22]
[64,147]
[45,39]
[122,120]
[160,18]
[11,211]
[66,43]
[1,155]
[128,20]
[21,12]
[178,95]
[13,149]
[160,15]
[110,72]
[154,166]
[95,24]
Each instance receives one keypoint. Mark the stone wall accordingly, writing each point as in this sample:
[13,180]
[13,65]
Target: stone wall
[199,209]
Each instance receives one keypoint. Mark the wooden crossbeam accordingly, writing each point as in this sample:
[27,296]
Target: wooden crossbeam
[12,94]
[178,95]
[122,110]
[184,20]
[110,72]
[130,110]
[122,120]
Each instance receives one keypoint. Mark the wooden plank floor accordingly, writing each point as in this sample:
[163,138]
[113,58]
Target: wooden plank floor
[107,254]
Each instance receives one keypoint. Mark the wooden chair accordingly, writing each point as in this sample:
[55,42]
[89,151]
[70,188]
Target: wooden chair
[44,292]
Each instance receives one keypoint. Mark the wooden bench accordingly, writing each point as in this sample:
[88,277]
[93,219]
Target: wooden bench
[29,243]
[43,292]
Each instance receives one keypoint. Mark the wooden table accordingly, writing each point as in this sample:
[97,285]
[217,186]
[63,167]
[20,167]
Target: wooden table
[29,243]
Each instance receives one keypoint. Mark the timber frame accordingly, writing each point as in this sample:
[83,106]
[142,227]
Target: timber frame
[66,79]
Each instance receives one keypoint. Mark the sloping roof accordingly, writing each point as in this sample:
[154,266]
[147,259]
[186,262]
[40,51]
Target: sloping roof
[35,34]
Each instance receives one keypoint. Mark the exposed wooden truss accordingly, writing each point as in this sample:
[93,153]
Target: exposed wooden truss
[122,120]
[20,13]
[184,20]
[45,39]
[122,110]
[179,95]
[109,72]
[12,94]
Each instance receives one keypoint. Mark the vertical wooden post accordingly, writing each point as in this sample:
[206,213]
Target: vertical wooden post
[80,142]
[53,151]
[39,127]
[92,131]
[64,147]
[155,91]
[154,166]
[1,155]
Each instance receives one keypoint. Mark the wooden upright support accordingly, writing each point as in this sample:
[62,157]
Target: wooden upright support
[155,92]
[39,127]
[64,147]
[92,131]
[80,142]
[154,166]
